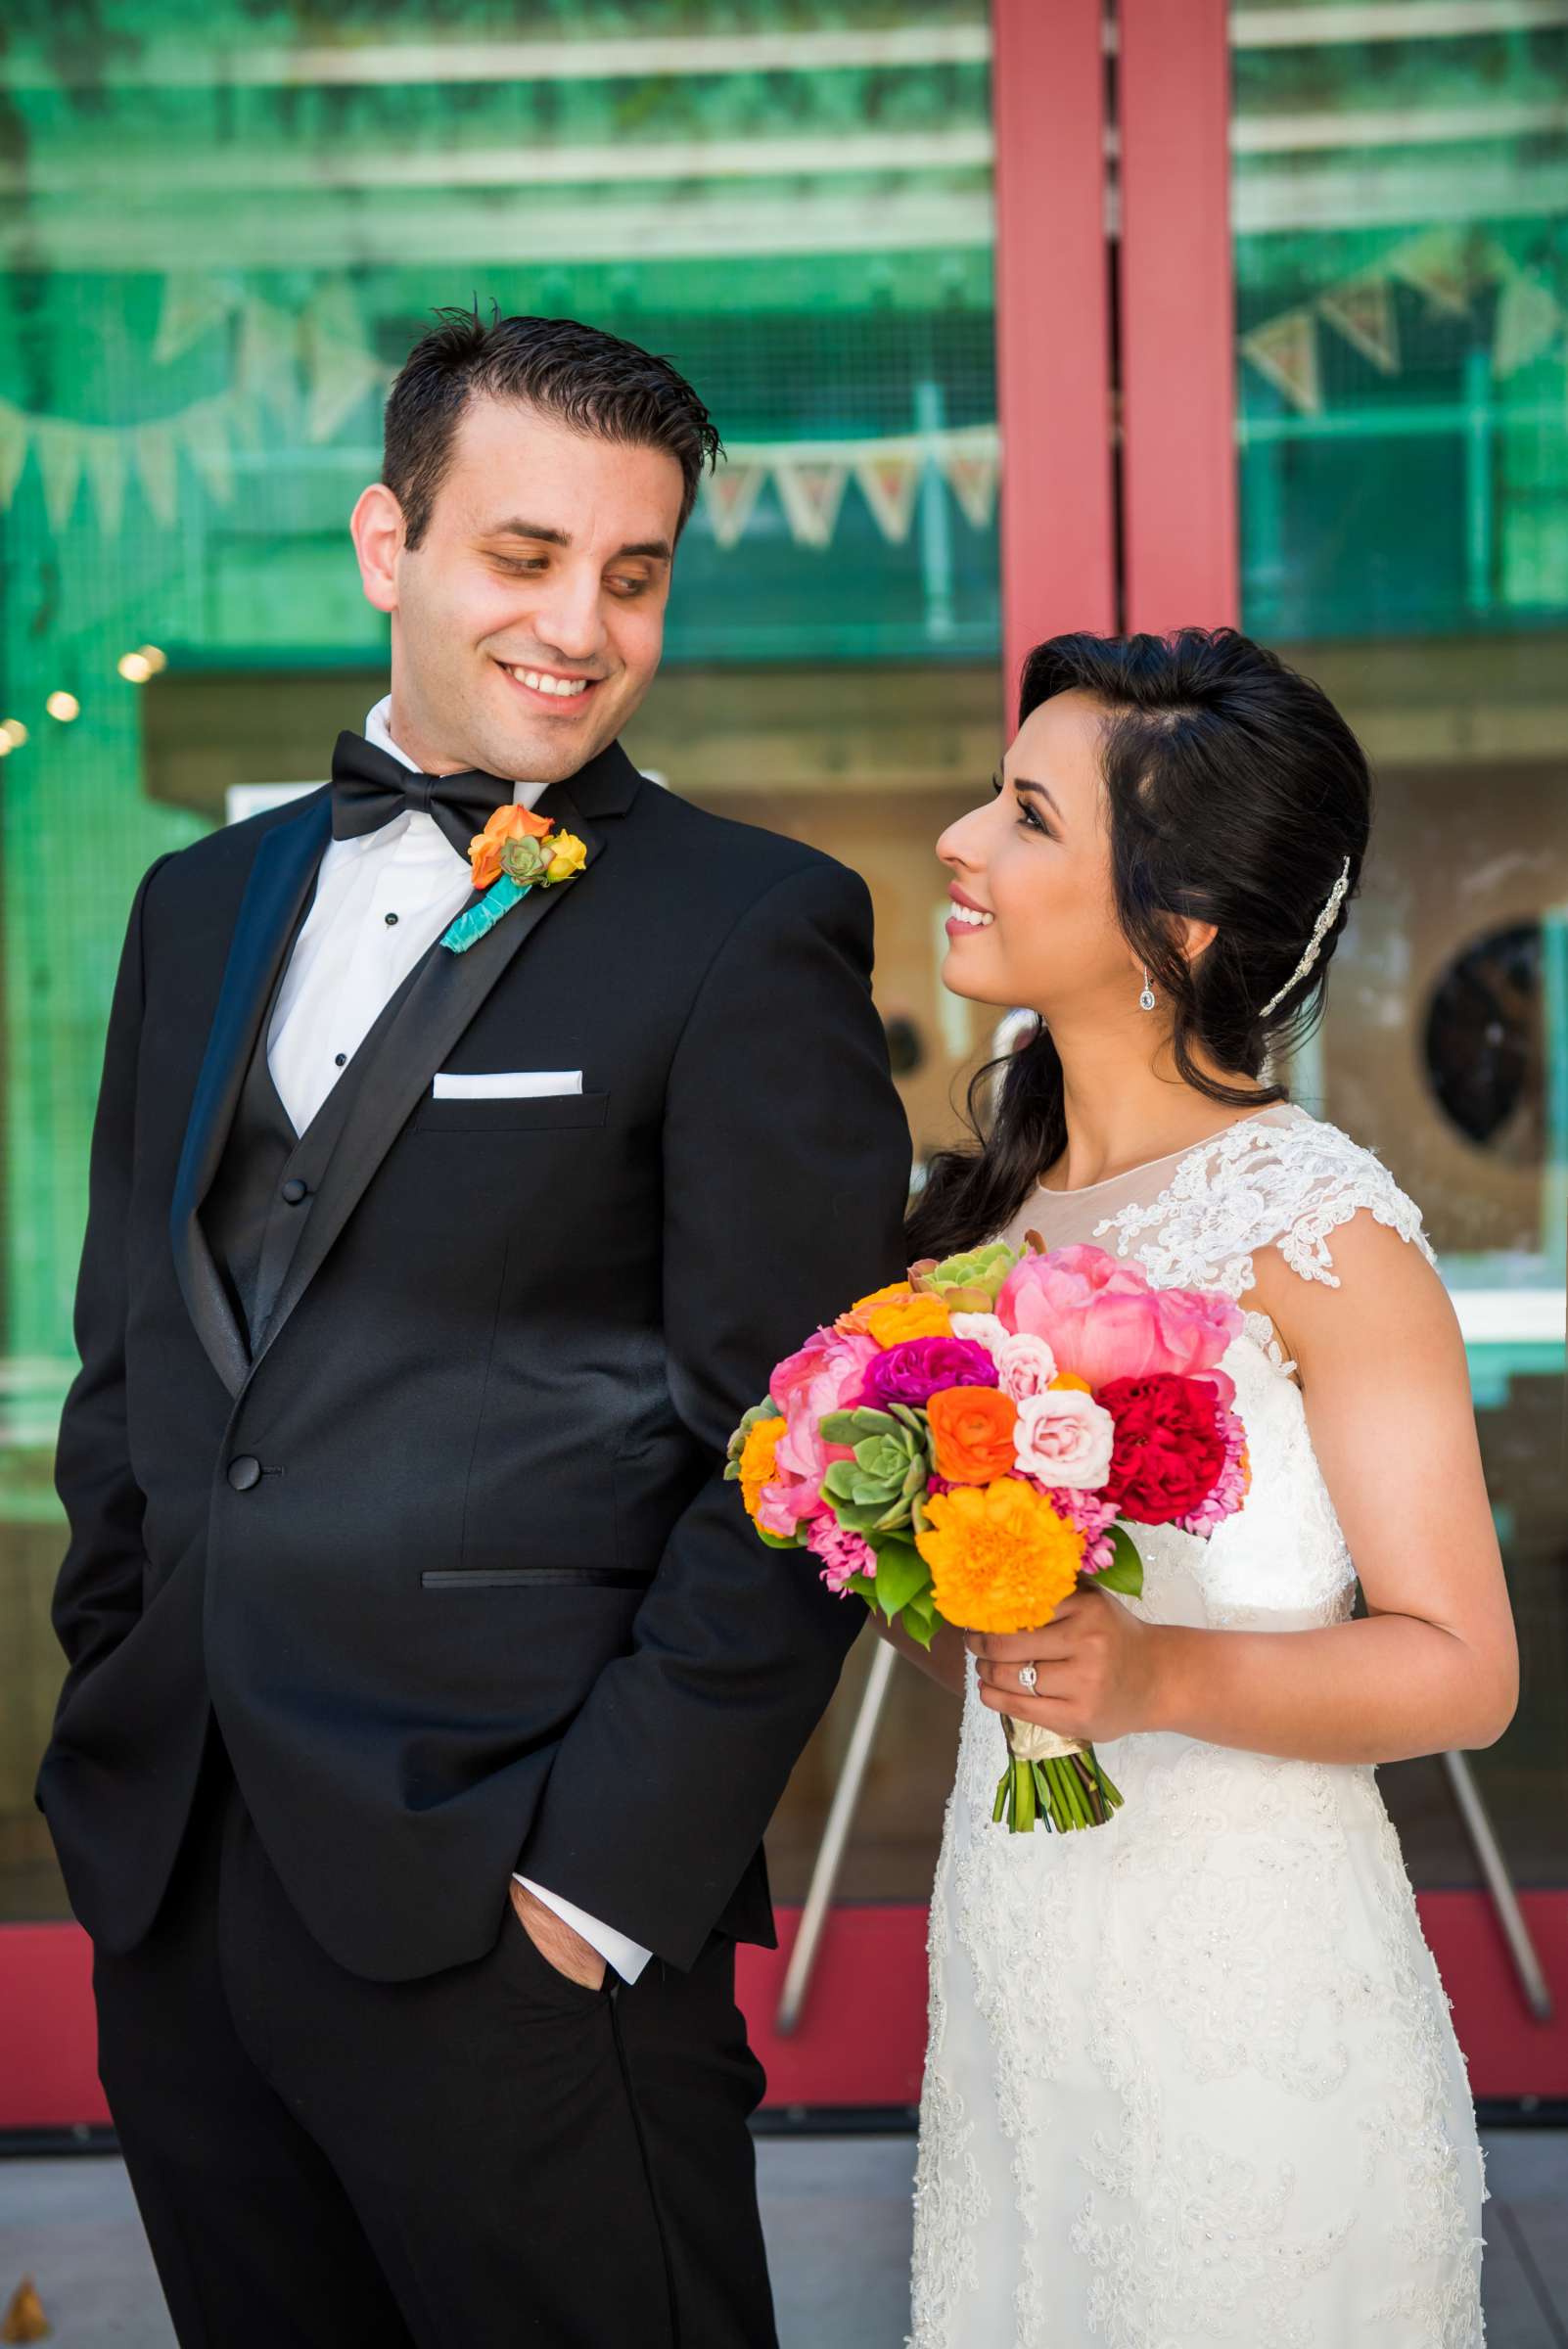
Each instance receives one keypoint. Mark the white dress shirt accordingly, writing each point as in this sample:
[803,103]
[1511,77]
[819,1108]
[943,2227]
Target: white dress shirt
[380,902]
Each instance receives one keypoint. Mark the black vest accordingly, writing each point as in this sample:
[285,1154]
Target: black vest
[257,1211]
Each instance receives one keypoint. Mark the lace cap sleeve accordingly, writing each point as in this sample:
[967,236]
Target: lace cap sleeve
[1261,1185]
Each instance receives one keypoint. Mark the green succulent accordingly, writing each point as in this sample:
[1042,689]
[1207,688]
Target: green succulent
[879,1489]
[523,859]
[969,1283]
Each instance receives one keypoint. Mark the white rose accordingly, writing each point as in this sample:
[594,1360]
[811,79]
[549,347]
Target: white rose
[1064,1438]
[982,1329]
[1026,1366]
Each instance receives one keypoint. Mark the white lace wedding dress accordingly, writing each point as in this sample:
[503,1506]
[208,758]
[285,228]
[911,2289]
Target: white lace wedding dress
[1191,2077]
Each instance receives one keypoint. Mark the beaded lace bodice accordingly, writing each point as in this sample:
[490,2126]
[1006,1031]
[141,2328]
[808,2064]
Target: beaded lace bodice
[1191,2079]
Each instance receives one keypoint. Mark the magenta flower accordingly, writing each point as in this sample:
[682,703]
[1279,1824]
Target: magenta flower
[912,1373]
[1103,1319]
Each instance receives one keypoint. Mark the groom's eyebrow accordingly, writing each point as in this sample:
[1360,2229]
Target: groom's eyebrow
[653,550]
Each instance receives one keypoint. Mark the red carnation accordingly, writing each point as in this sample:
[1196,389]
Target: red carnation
[1170,1449]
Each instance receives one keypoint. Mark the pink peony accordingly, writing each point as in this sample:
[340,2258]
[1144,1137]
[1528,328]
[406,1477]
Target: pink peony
[1103,1319]
[826,1375]
[1064,1437]
[842,1552]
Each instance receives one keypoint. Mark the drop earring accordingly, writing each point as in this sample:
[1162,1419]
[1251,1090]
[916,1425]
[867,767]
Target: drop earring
[1146,999]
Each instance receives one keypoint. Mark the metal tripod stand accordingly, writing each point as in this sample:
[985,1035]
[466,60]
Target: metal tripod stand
[840,1823]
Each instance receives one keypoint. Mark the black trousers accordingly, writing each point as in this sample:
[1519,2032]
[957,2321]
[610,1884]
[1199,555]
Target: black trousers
[492,2156]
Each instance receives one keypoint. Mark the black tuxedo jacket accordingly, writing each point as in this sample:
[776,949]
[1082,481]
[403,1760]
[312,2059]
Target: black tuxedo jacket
[451,1559]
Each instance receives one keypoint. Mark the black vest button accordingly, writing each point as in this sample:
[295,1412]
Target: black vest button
[245,1472]
[294,1191]
[340,1060]
[392,921]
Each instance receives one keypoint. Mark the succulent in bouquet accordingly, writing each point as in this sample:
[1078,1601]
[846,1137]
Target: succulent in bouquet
[971,1444]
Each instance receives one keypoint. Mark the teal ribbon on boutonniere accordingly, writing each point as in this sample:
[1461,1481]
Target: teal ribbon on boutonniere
[516,852]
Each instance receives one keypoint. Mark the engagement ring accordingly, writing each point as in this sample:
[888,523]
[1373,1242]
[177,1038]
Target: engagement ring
[1028,1677]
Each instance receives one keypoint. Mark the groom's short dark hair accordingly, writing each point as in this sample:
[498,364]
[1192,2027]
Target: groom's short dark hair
[587,379]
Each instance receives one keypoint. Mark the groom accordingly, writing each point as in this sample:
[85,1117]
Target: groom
[429,1693]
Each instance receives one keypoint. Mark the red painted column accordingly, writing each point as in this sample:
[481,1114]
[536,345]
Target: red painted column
[1178,331]
[1058,532]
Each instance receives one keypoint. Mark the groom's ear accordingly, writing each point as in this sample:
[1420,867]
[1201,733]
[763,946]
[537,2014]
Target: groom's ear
[377,529]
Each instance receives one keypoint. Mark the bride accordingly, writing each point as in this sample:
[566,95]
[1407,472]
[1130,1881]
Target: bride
[1191,2078]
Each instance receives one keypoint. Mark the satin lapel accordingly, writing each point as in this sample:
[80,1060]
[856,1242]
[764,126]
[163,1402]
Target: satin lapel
[281,882]
[407,1053]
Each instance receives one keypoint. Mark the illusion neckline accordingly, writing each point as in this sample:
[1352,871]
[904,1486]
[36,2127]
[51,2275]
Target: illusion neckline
[1084,1190]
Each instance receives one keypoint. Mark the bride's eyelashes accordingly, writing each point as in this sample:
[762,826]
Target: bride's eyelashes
[1029,816]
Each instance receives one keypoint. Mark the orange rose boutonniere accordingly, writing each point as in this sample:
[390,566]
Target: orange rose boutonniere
[516,852]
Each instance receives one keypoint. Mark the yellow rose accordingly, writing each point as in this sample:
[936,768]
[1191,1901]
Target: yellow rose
[571,855]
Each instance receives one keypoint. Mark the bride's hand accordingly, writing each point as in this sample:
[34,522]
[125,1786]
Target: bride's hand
[1096,1668]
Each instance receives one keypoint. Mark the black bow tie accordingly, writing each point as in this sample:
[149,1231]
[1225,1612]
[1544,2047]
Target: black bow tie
[369,787]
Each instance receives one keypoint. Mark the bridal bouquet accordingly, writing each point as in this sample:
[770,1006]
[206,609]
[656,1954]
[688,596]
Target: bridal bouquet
[972,1443]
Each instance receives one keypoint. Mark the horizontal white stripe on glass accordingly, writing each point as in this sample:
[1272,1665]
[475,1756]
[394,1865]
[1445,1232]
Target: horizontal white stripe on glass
[508,1084]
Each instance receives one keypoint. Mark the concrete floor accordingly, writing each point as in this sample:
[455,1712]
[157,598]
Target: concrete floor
[837,2212]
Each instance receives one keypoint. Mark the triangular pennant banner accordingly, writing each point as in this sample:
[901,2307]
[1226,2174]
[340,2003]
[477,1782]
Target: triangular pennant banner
[1441,266]
[15,442]
[1363,312]
[341,369]
[888,484]
[730,494]
[812,495]
[105,456]
[204,429]
[970,473]
[58,448]
[153,446]
[266,364]
[1285,351]
[1529,320]
[193,304]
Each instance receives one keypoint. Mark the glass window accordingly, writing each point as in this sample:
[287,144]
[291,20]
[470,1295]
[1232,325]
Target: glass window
[1401,214]
[227,235]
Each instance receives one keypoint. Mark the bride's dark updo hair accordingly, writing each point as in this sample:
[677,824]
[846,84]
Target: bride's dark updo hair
[1235,795]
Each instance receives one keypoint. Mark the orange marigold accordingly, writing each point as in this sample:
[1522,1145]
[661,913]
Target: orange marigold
[1000,1557]
[972,1433]
[906,1317]
[757,1466]
[858,1321]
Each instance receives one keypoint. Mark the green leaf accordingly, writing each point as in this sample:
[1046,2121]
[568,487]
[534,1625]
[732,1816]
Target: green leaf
[859,1520]
[863,1588]
[919,1617]
[841,1480]
[1125,1573]
[773,1540]
[901,1575]
[912,1419]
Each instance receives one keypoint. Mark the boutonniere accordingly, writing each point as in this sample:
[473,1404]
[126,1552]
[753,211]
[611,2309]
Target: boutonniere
[516,852]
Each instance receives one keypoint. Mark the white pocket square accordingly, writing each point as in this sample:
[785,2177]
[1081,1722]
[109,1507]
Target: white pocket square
[508,1084]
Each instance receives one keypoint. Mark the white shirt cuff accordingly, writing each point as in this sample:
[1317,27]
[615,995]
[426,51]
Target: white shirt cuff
[629,1957]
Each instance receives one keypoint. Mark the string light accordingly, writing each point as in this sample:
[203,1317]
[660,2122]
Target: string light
[156,660]
[15,732]
[63,706]
[7,746]
[134,668]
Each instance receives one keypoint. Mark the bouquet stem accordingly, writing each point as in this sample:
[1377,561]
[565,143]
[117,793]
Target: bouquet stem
[1051,1779]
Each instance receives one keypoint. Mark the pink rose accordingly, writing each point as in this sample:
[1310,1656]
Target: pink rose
[1103,1319]
[1024,1367]
[1064,1437]
[826,1375]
